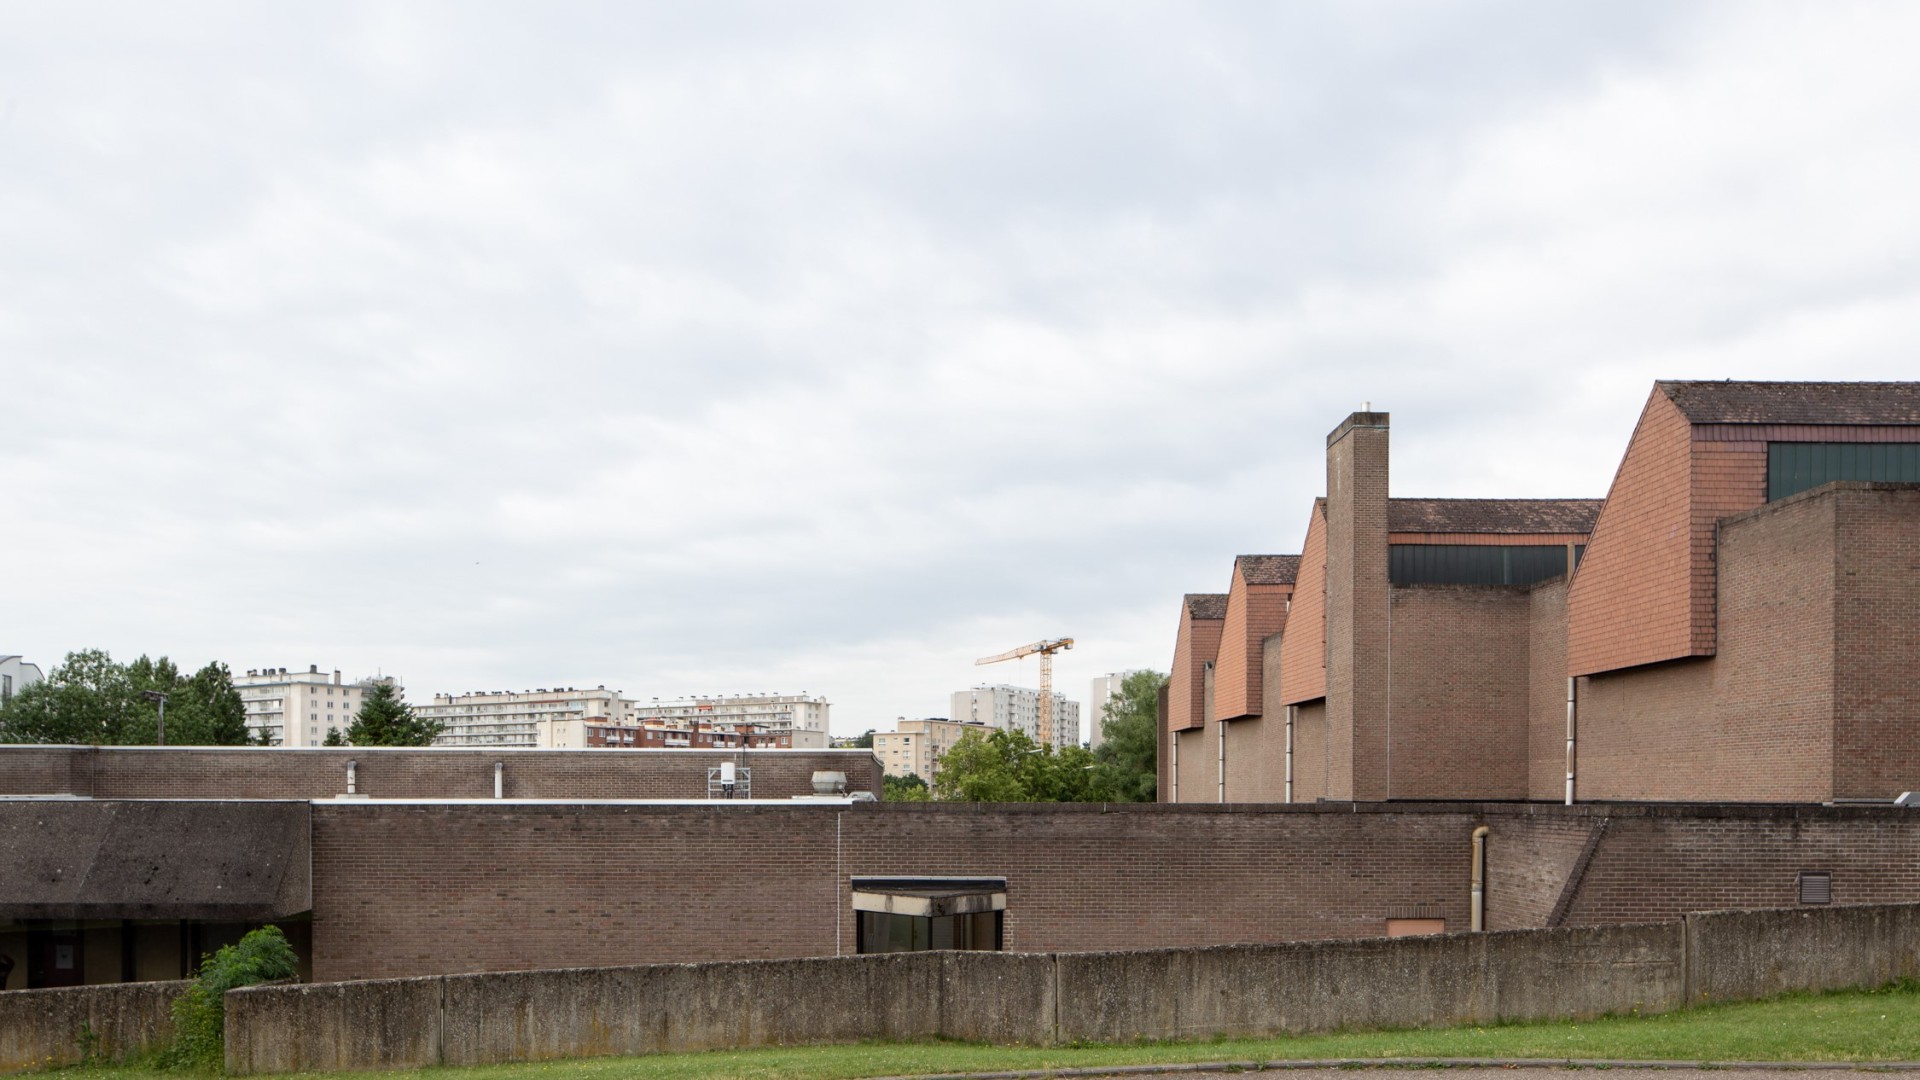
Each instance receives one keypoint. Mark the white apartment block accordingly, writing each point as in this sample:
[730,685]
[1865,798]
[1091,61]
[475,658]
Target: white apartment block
[299,708]
[914,747]
[1105,689]
[1016,708]
[805,718]
[555,718]
[16,675]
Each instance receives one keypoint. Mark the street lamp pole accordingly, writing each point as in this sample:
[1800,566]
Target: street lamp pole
[155,695]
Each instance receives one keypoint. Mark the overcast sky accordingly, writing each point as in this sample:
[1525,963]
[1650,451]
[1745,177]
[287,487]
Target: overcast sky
[719,348]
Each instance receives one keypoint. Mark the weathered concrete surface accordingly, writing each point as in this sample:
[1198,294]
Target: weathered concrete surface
[1253,990]
[42,1028]
[385,1024]
[220,861]
[1037,998]
[1003,998]
[1736,955]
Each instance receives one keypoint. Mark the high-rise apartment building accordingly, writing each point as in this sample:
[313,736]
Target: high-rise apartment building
[1016,708]
[1105,688]
[914,747]
[548,718]
[805,718]
[299,708]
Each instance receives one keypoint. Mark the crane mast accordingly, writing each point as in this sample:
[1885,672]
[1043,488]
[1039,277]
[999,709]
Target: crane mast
[1045,650]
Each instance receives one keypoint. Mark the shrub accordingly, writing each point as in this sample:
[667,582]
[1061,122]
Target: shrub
[199,1014]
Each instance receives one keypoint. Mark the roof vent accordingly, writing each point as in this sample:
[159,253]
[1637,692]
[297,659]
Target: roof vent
[829,783]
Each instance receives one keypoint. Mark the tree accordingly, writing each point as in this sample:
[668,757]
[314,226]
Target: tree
[1129,738]
[385,719]
[91,700]
[1008,766]
[863,742]
[908,788]
[87,700]
[333,738]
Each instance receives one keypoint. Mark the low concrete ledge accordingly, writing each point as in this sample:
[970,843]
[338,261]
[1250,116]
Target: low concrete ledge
[44,1028]
[1044,998]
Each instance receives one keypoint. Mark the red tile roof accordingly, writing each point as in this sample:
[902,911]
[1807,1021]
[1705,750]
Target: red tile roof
[1796,402]
[1268,569]
[1206,605]
[1518,516]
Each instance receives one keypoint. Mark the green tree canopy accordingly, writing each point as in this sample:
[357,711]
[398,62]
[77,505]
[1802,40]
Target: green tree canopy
[1129,738]
[91,700]
[385,719]
[1008,766]
[908,788]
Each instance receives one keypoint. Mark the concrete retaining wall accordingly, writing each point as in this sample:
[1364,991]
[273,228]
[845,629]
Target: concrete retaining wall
[1037,998]
[1739,955]
[43,1028]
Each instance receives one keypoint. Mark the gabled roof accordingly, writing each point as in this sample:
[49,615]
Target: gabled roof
[1518,516]
[1796,402]
[1206,605]
[1267,569]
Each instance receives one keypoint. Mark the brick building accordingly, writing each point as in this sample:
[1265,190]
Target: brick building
[1739,619]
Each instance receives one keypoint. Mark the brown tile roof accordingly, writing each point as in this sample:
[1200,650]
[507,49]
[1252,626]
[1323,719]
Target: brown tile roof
[1796,402]
[1520,516]
[1267,569]
[1206,605]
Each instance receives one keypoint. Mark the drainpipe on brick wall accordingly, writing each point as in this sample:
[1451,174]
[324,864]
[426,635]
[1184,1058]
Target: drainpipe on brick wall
[1173,743]
[350,776]
[1223,760]
[1573,708]
[499,779]
[1479,917]
[1291,709]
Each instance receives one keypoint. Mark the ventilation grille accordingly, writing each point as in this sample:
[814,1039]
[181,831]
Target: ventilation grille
[1816,887]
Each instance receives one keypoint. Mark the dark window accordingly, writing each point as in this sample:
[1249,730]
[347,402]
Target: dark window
[1796,467]
[882,931]
[1478,564]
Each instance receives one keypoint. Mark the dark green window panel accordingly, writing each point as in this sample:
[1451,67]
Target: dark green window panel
[1478,564]
[1794,467]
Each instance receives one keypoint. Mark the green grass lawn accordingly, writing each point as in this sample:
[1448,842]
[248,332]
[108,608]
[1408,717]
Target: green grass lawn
[1879,1025]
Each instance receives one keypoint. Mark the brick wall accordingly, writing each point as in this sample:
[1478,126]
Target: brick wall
[1254,612]
[1656,862]
[1196,645]
[1547,691]
[1529,860]
[411,890]
[1876,642]
[1755,722]
[407,890]
[1356,605]
[116,772]
[1303,653]
[1457,678]
[1630,599]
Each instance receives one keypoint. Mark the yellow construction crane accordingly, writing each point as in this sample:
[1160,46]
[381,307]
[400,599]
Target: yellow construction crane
[1045,649]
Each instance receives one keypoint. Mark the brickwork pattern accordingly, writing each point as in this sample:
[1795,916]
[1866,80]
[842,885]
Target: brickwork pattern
[1547,691]
[1358,727]
[1303,653]
[1196,645]
[416,890]
[1254,612]
[1630,601]
[1755,722]
[1659,866]
[1457,679]
[269,773]
[1876,618]
[1528,863]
